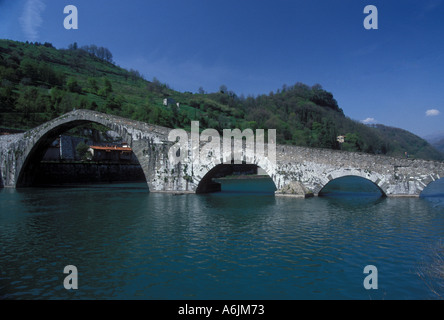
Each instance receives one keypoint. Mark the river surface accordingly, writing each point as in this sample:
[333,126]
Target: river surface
[127,243]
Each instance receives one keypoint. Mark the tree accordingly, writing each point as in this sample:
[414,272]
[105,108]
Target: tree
[135,74]
[82,150]
[93,84]
[73,86]
[108,86]
[108,56]
[223,89]
[323,98]
[26,102]
[99,52]
[73,46]
[67,103]
[29,69]
[7,96]
[114,103]
[48,75]
[352,142]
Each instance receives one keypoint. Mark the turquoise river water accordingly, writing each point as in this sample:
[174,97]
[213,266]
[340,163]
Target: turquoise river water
[127,243]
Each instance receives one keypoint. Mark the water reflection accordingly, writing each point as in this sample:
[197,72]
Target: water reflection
[254,185]
[128,243]
[354,201]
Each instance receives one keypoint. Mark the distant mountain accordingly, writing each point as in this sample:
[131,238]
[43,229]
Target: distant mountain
[434,137]
[39,82]
[417,145]
[439,145]
[436,140]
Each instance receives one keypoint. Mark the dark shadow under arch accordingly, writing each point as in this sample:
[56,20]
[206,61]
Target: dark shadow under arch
[351,185]
[236,171]
[32,164]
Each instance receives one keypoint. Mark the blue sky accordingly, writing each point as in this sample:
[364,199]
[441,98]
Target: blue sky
[393,75]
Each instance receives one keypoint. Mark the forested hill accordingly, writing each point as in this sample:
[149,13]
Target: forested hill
[40,82]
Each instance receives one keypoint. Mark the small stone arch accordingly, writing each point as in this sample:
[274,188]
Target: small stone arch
[374,177]
[430,182]
[205,184]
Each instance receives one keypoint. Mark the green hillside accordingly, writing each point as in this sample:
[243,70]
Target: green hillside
[40,82]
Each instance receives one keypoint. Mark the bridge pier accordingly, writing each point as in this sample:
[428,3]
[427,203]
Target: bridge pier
[295,189]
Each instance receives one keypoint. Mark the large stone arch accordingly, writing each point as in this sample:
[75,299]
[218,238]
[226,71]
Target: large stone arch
[37,139]
[372,176]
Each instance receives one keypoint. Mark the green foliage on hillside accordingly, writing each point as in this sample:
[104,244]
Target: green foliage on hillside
[40,82]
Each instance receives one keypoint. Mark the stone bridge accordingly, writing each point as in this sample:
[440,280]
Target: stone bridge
[296,171]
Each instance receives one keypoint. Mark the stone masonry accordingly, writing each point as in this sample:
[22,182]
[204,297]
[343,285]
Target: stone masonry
[298,171]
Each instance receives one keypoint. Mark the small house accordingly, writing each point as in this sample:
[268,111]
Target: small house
[169,101]
[111,153]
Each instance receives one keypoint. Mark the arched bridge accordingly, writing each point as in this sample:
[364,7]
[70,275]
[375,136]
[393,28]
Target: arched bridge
[296,171]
